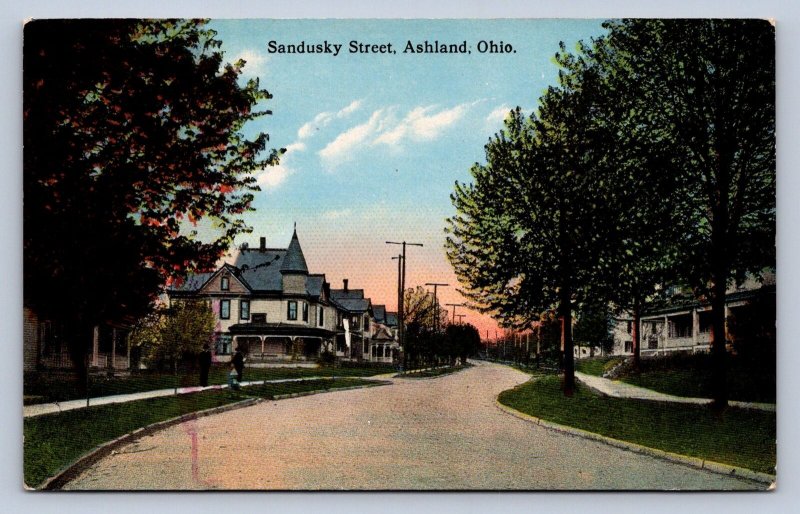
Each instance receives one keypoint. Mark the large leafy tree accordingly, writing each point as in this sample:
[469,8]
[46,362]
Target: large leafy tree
[698,96]
[529,231]
[133,133]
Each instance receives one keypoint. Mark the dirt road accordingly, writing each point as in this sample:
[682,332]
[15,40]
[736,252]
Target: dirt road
[443,433]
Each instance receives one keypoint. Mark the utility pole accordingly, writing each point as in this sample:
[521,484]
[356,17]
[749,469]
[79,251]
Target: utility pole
[401,331]
[461,317]
[435,303]
[454,305]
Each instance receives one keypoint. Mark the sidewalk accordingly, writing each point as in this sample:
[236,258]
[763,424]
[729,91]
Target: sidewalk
[619,389]
[49,408]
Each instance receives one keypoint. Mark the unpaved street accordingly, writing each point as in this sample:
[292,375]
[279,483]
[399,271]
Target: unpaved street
[444,433]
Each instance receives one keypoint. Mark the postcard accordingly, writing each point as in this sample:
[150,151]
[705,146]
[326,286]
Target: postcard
[399,255]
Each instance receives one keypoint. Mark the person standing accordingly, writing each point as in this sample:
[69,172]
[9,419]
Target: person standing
[238,364]
[205,365]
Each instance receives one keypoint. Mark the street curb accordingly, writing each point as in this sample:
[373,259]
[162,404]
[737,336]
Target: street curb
[70,471]
[411,377]
[694,462]
[320,391]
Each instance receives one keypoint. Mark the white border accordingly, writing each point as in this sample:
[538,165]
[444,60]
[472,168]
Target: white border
[14,499]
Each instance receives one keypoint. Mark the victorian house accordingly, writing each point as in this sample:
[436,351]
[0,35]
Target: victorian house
[267,304]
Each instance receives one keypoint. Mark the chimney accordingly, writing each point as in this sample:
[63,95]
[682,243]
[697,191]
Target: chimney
[263,243]
[345,284]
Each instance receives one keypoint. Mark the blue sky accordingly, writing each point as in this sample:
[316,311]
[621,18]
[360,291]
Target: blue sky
[375,142]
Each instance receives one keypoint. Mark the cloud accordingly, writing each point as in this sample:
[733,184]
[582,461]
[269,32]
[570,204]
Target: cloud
[422,123]
[271,177]
[341,149]
[254,61]
[322,119]
[498,115]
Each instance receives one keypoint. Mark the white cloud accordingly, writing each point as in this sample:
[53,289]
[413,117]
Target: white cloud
[254,61]
[273,176]
[422,124]
[498,115]
[341,149]
[322,119]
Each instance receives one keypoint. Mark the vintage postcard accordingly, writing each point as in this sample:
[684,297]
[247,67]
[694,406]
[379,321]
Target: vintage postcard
[413,255]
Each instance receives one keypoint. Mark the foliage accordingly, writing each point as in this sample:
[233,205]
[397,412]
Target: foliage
[653,161]
[462,341]
[738,437]
[700,98]
[421,308]
[595,325]
[133,133]
[176,333]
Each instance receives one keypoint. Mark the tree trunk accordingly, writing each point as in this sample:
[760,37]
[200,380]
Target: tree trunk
[719,353]
[566,335]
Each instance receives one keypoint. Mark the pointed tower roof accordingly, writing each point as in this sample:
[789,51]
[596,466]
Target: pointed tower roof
[295,261]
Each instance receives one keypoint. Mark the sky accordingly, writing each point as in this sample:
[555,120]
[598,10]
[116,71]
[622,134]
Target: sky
[375,142]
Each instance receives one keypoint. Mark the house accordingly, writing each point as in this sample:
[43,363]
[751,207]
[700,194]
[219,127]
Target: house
[45,345]
[356,321]
[384,345]
[267,304]
[685,324]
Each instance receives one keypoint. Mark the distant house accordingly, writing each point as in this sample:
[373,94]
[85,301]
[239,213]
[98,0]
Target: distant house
[45,345]
[685,324]
[267,304]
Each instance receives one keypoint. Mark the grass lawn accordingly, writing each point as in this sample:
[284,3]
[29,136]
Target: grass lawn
[690,375]
[54,440]
[596,366]
[43,387]
[435,372]
[737,437]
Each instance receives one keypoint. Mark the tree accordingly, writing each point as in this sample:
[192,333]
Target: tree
[700,94]
[594,326]
[176,333]
[421,307]
[530,231]
[133,133]
[462,340]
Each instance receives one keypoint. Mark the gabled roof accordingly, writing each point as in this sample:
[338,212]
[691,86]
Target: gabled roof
[391,319]
[314,285]
[353,305]
[261,268]
[192,283]
[295,261]
[347,294]
[380,313]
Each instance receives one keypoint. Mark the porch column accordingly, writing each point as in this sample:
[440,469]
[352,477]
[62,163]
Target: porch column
[128,344]
[113,348]
[95,344]
[695,326]
[262,338]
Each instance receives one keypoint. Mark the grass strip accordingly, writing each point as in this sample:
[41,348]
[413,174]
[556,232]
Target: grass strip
[45,388]
[738,437]
[52,441]
[435,372]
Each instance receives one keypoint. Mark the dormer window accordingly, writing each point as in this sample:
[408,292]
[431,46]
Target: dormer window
[225,283]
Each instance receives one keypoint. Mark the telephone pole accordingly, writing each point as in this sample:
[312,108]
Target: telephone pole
[454,305]
[401,331]
[435,303]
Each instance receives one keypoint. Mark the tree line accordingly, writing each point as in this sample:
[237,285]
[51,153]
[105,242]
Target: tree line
[651,163]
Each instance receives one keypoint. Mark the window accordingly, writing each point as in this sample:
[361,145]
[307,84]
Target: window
[291,310]
[355,322]
[628,346]
[225,283]
[339,320]
[305,311]
[222,344]
[244,309]
[320,316]
[225,309]
[259,318]
[366,323]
